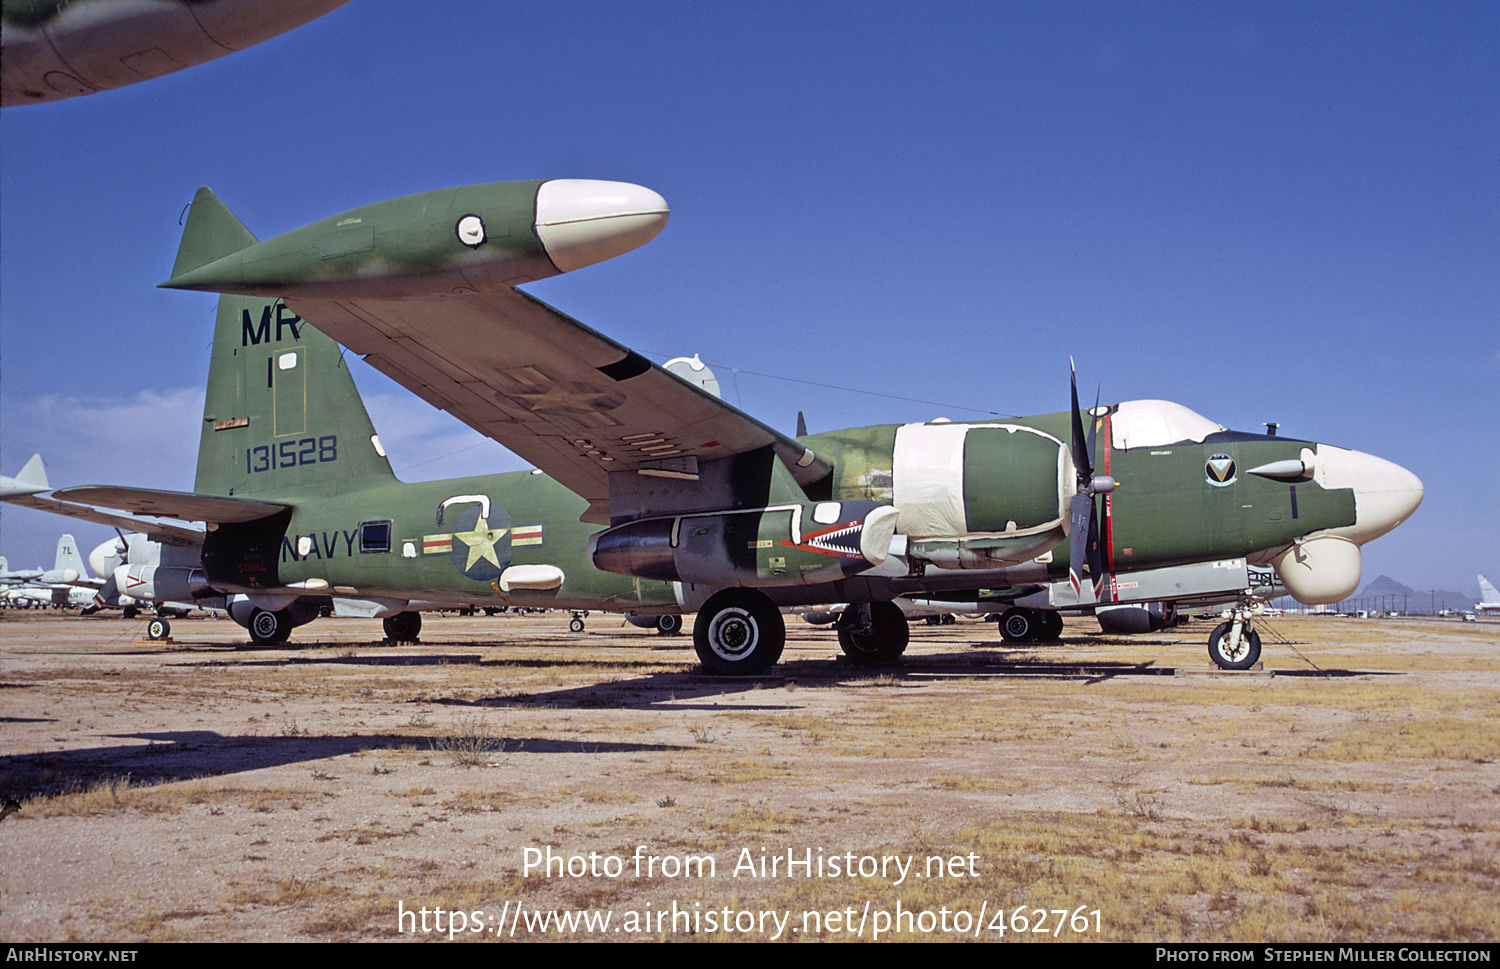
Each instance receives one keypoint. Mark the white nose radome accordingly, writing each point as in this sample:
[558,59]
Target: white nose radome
[583,221]
[1385,494]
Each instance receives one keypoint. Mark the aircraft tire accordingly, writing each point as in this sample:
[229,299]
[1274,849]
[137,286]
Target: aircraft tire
[668,625]
[130,612]
[158,629]
[1019,625]
[403,627]
[270,628]
[1052,626]
[576,625]
[738,632]
[1248,655]
[883,642]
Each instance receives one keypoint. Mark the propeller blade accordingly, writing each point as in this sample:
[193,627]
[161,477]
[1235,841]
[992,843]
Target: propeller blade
[1081,447]
[1080,520]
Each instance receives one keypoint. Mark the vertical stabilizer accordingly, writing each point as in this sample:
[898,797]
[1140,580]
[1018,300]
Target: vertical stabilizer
[68,558]
[282,415]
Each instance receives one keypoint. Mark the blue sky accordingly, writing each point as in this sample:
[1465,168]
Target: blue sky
[1267,212]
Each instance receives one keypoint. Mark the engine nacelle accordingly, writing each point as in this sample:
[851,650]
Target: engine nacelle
[794,544]
[1132,619]
[163,584]
[1320,570]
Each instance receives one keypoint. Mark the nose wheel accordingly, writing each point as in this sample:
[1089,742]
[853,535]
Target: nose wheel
[1235,645]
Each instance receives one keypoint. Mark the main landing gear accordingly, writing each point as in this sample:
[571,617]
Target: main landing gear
[1235,645]
[1019,625]
[269,628]
[873,632]
[403,627]
[739,632]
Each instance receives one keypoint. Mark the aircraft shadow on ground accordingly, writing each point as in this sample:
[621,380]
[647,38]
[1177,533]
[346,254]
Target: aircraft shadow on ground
[188,755]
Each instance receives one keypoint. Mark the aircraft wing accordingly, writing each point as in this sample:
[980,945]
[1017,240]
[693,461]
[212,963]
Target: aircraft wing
[168,533]
[172,504]
[568,399]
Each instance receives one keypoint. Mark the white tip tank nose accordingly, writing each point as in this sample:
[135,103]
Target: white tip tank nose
[1385,494]
[582,221]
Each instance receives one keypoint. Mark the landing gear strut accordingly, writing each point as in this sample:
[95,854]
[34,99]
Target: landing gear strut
[873,632]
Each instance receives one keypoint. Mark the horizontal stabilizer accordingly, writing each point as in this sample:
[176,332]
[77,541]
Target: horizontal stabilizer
[212,232]
[32,480]
[172,504]
[168,533]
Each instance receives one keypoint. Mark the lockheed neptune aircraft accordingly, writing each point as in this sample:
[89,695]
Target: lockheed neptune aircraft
[690,505]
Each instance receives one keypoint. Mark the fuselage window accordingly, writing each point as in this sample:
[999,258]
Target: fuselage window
[375,536]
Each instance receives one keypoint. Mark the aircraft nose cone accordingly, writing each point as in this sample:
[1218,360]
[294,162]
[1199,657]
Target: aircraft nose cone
[583,221]
[1385,494]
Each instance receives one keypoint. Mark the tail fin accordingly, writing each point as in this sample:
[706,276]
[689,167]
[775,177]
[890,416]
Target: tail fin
[281,415]
[68,557]
[212,232]
[1487,592]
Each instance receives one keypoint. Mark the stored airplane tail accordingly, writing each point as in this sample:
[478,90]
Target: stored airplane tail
[1487,594]
[282,415]
[69,565]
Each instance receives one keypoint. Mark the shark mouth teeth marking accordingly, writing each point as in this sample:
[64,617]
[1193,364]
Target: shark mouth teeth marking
[839,541]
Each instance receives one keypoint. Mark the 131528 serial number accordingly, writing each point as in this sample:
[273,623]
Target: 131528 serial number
[292,454]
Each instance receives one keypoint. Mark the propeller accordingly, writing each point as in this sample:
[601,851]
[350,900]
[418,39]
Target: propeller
[1083,522]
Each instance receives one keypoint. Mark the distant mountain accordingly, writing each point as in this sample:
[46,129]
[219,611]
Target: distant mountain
[1384,592]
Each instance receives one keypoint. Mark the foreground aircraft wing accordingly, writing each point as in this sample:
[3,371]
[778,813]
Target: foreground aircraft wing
[564,397]
[423,287]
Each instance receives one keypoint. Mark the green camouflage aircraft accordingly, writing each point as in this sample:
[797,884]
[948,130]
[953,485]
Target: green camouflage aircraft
[690,505]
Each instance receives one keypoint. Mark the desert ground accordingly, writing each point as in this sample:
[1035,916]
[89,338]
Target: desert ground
[506,778]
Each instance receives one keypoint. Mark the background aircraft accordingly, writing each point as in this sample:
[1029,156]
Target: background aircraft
[1489,599]
[51,50]
[739,517]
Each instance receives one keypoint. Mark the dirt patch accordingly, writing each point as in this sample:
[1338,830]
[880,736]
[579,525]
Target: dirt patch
[341,789]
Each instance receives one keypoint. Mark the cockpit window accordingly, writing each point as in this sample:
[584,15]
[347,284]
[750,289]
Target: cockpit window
[1156,423]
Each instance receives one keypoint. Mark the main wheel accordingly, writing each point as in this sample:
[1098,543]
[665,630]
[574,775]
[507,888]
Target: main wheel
[403,627]
[158,628]
[668,625]
[882,641]
[1019,625]
[270,628]
[576,625]
[1242,659]
[739,632]
[1052,626]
